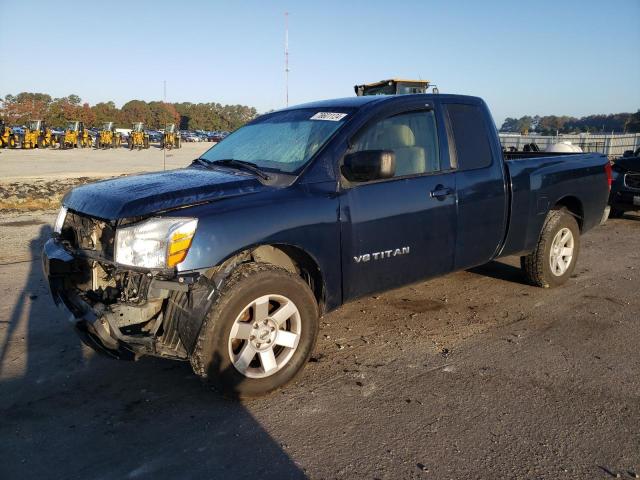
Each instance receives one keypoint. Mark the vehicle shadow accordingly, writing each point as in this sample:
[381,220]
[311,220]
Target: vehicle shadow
[629,216]
[70,413]
[500,271]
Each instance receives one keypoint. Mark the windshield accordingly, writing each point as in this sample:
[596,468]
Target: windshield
[72,126]
[282,141]
[137,127]
[107,125]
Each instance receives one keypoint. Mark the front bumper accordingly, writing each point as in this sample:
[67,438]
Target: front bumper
[95,328]
[625,199]
[90,325]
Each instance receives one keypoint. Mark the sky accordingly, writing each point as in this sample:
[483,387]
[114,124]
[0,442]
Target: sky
[559,57]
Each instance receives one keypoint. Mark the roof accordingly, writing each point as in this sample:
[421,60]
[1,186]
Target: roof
[357,102]
[346,102]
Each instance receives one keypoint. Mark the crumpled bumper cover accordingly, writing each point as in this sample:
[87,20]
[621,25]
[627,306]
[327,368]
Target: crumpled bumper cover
[93,330]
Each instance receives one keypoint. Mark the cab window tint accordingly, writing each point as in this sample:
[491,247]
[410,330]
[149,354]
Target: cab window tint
[411,136]
[470,136]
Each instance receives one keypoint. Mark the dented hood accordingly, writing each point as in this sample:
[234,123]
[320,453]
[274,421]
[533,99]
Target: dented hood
[140,195]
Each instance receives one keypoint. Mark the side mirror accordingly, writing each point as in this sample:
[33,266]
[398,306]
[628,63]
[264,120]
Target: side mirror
[369,165]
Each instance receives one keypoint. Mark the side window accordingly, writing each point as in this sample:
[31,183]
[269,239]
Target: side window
[411,136]
[470,138]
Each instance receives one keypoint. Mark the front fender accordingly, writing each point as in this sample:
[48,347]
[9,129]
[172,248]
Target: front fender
[302,216]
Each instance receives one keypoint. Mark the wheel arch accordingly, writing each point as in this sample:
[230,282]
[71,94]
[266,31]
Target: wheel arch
[290,257]
[574,205]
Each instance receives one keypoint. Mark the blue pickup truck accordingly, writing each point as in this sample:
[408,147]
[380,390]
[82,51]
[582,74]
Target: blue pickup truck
[230,262]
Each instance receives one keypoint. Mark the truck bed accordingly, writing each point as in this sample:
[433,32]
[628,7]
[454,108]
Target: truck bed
[538,181]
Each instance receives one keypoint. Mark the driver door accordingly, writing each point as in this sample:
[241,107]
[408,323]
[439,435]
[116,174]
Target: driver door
[403,229]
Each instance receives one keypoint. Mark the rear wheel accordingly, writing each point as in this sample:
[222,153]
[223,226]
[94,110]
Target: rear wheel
[259,333]
[554,259]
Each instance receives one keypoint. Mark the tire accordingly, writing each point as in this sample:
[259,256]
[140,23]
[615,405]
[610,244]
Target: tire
[560,236]
[215,351]
[615,213]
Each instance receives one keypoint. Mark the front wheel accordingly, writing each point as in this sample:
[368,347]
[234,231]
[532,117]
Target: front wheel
[259,333]
[554,259]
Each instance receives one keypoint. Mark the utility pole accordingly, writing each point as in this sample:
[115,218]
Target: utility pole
[164,100]
[286,57]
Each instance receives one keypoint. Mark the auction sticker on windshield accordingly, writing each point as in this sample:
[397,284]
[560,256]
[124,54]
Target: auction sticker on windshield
[330,116]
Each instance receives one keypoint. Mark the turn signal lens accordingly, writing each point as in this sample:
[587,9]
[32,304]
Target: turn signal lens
[179,243]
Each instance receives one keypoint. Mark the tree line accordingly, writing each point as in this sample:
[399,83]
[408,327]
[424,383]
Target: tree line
[25,106]
[552,124]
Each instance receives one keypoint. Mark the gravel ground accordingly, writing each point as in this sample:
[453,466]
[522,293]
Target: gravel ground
[473,375]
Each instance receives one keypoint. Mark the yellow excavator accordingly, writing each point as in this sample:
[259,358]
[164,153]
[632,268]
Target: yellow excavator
[170,138]
[35,135]
[75,135]
[138,138]
[108,137]
[7,137]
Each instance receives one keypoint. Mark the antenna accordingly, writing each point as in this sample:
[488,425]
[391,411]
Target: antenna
[286,57]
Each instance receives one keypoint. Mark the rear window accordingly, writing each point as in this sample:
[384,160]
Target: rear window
[470,136]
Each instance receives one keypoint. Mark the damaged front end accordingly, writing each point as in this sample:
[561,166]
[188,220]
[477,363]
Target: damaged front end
[124,312]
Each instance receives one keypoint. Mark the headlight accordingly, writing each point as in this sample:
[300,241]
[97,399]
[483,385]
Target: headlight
[155,243]
[62,214]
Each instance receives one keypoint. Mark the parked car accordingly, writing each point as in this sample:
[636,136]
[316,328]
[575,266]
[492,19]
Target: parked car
[625,190]
[229,263]
[155,136]
[217,137]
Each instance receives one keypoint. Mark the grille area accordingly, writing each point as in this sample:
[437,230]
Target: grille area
[87,233]
[632,180]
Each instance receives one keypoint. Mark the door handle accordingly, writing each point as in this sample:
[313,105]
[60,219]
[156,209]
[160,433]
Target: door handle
[440,192]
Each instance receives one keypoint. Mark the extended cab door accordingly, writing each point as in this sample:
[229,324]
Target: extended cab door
[403,229]
[480,182]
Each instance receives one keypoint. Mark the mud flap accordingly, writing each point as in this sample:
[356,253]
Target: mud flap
[190,313]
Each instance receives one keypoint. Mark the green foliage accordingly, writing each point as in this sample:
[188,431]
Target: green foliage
[27,106]
[634,122]
[213,116]
[552,124]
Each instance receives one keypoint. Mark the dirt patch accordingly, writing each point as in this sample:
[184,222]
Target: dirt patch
[417,305]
